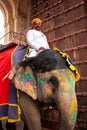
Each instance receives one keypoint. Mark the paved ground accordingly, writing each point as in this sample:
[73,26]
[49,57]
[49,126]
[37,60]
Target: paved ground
[11,126]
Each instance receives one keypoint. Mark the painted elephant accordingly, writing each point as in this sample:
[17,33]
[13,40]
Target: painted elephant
[46,79]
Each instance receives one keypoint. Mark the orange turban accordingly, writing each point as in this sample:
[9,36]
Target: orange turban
[36,20]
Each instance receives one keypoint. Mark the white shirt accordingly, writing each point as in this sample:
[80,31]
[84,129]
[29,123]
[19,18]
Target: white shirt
[36,39]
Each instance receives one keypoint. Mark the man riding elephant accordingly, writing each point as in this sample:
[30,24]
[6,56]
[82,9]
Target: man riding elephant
[36,39]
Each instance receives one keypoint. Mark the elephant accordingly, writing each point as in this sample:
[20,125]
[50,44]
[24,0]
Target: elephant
[50,81]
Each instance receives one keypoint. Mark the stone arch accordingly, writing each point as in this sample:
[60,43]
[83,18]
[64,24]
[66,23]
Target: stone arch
[17,16]
[9,10]
[1,27]
[5,14]
[4,11]
[8,14]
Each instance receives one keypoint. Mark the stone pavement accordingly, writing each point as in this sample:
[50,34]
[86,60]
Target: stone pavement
[11,126]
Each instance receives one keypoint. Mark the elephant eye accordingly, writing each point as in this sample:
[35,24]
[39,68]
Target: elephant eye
[53,80]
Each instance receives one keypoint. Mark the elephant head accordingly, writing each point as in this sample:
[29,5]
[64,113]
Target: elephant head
[47,78]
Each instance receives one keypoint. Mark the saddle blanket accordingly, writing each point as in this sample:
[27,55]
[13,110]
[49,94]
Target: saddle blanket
[9,108]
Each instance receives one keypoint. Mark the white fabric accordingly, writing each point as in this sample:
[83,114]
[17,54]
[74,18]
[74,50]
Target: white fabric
[36,39]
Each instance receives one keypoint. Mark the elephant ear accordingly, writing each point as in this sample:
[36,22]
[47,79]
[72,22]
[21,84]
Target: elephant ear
[24,80]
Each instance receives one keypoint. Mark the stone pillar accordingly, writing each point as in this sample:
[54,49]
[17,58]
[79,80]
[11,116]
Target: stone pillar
[21,24]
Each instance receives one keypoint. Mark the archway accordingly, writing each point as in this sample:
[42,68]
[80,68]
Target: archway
[1,27]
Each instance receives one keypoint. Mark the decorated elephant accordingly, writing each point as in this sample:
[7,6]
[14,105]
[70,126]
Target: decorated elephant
[48,79]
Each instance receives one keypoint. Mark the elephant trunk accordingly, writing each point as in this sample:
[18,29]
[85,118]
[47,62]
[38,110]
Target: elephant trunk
[66,100]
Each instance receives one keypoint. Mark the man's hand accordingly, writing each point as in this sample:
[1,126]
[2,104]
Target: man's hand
[40,49]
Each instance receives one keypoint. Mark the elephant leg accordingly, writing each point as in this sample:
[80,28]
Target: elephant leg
[30,112]
[3,123]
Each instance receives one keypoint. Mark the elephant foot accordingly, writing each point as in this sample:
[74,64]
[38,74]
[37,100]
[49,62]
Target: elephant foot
[20,125]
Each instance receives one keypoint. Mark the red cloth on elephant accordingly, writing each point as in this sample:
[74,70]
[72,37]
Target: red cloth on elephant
[10,55]
[5,66]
